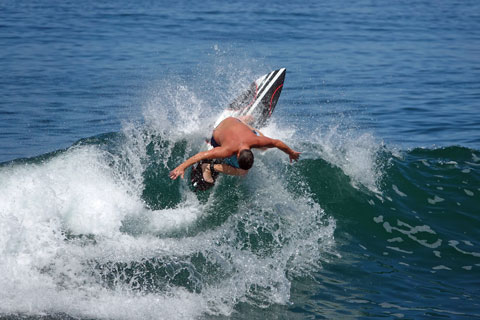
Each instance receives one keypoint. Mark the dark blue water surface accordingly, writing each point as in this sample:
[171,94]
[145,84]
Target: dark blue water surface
[100,99]
[409,71]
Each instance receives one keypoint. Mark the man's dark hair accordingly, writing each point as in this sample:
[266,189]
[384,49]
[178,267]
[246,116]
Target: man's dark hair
[245,159]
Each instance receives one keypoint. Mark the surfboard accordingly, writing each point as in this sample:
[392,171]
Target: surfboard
[259,101]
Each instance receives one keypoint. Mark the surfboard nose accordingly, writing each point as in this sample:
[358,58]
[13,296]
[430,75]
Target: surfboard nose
[268,89]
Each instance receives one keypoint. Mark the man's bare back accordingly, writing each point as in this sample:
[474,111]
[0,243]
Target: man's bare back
[233,134]
[232,138]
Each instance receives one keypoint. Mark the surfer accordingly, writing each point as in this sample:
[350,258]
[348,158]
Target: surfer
[232,141]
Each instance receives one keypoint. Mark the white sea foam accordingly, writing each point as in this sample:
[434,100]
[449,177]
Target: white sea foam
[441,267]
[395,188]
[355,153]
[436,199]
[412,232]
[77,189]
[454,244]
[475,157]
[64,239]
[399,250]
[77,192]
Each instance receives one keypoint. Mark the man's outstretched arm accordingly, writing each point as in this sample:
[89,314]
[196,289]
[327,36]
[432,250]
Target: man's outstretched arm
[292,154]
[215,153]
[279,144]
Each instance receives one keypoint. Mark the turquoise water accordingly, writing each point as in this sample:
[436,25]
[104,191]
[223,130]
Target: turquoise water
[378,219]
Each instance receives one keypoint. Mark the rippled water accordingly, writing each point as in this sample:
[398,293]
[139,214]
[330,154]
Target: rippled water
[99,100]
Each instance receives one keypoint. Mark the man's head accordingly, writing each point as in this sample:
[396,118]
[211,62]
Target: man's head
[245,159]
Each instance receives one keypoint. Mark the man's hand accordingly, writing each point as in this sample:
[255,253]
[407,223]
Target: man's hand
[177,172]
[294,155]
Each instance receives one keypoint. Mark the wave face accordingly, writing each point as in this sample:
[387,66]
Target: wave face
[98,230]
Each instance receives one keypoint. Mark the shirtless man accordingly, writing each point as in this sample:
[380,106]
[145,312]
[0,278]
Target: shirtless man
[232,140]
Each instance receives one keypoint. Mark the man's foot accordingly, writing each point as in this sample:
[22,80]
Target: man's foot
[207,174]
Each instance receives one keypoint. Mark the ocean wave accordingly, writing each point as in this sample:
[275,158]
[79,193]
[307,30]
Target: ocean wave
[101,227]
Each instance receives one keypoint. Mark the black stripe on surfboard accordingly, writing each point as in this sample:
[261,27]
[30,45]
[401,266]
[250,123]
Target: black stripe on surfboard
[248,98]
[260,96]
[265,104]
[266,81]
[263,89]
[271,78]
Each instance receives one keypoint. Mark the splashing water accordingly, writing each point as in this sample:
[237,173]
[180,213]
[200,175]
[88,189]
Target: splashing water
[99,230]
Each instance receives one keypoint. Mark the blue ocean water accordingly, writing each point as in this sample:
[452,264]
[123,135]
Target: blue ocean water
[379,218]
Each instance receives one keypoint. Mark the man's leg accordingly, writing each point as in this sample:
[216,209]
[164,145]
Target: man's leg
[227,169]
[207,174]
[221,168]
